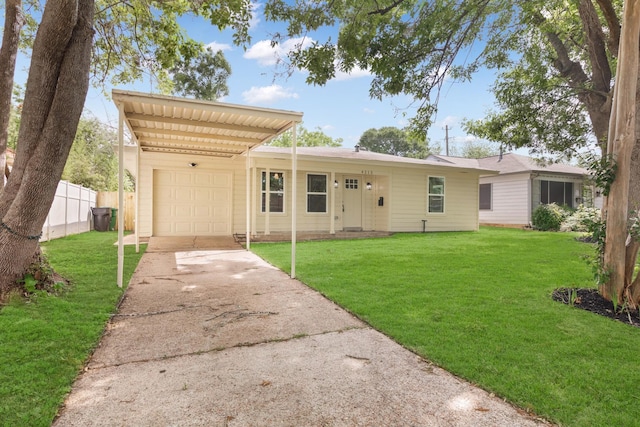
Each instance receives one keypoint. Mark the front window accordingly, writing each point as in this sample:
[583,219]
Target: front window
[317,193]
[558,192]
[485,197]
[275,190]
[436,194]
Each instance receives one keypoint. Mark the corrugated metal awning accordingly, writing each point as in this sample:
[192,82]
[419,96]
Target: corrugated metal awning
[168,124]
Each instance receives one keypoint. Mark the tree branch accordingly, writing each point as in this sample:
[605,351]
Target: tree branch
[600,69]
[386,9]
[613,23]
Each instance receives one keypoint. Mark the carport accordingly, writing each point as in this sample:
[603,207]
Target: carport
[171,125]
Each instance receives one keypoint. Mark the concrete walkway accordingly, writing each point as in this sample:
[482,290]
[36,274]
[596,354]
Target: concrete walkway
[211,335]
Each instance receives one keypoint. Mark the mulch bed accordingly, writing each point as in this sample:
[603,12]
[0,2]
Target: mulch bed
[591,300]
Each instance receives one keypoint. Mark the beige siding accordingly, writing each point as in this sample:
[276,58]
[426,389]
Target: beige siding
[403,189]
[381,213]
[510,200]
[409,201]
[151,161]
[320,222]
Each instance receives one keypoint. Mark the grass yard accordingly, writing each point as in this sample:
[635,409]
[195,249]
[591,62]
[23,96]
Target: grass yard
[479,305]
[44,343]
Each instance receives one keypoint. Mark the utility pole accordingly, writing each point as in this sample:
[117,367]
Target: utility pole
[446,138]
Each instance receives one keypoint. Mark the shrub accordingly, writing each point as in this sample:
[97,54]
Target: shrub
[548,217]
[582,219]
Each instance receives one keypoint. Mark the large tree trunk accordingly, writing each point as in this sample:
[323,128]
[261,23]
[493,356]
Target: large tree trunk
[56,90]
[621,142]
[14,20]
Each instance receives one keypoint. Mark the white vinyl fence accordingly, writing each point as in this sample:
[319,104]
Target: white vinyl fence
[70,211]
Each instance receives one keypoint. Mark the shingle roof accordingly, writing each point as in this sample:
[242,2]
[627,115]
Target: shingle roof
[513,163]
[363,155]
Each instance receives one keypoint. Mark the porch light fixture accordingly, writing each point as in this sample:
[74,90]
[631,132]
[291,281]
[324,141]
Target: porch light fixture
[368,186]
[335,184]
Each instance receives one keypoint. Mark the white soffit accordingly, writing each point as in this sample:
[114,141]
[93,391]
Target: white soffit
[167,124]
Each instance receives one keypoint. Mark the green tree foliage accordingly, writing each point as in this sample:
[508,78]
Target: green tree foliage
[410,46]
[391,140]
[119,42]
[306,138]
[476,150]
[203,76]
[142,38]
[92,161]
[542,97]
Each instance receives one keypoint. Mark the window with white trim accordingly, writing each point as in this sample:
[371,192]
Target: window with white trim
[317,193]
[435,194]
[485,197]
[275,190]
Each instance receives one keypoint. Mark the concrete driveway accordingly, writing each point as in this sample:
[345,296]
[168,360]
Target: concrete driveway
[211,335]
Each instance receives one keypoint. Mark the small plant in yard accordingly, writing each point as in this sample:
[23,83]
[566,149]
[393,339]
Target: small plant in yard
[581,219]
[548,217]
[41,277]
[573,296]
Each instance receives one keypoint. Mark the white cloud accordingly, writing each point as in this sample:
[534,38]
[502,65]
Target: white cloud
[255,18]
[450,121]
[268,55]
[327,128]
[369,111]
[356,73]
[215,46]
[267,94]
[469,138]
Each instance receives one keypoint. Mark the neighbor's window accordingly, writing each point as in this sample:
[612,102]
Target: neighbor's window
[276,191]
[436,194]
[558,192]
[316,193]
[485,197]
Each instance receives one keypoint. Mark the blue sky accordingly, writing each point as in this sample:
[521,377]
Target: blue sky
[342,108]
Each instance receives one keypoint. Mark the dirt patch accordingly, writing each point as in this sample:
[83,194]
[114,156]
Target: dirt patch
[590,300]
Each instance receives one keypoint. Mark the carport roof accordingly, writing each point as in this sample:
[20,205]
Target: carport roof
[167,124]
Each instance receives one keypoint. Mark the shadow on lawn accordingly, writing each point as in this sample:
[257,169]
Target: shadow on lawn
[591,300]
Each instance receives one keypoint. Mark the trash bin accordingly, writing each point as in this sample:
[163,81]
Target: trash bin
[101,218]
[114,217]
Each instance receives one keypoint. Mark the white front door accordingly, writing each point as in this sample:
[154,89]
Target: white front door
[352,203]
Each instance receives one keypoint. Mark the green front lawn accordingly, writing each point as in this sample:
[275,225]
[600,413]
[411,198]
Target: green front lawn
[45,342]
[479,305]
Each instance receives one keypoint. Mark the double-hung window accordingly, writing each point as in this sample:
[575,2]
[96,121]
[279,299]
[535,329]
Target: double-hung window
[436,194]
[275,188]
[317,193]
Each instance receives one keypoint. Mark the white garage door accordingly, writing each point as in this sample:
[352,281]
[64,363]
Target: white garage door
[191,203]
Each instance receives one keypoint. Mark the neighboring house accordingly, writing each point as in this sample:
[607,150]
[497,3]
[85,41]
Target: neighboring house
[201,170]
[522,184]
